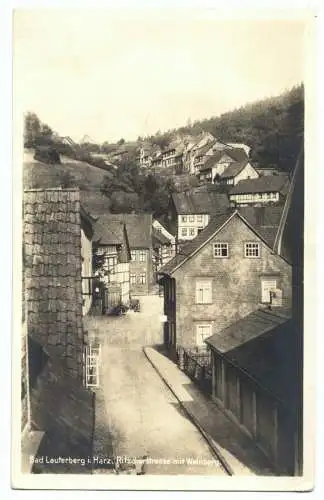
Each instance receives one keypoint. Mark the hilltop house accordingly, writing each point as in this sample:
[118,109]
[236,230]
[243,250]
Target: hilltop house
[57,411]
[189,212]
[110,234]
[191,145]
[227,165]
[227,272]
[262,190]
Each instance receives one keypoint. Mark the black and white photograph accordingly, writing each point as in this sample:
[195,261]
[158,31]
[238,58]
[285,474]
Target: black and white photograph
[160,161]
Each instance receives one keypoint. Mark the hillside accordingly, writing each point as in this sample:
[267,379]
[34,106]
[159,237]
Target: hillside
[67,174]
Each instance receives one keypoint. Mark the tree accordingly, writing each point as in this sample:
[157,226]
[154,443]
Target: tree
[121,142]
[32,128]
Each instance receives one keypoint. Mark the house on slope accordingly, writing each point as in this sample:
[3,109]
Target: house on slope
[189,212]
[262,190]
[227,272]
[227,166]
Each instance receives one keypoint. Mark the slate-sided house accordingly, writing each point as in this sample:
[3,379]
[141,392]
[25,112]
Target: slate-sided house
[262,190]
[53,394]
[110,234]
[189,212]
[225,273]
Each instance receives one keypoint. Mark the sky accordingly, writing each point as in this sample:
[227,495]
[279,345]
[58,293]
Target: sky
[110,74]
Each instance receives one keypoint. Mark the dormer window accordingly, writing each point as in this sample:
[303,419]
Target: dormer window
[220,250]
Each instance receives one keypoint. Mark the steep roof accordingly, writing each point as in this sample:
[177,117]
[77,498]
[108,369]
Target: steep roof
[109,229]
[203,200]
[265,184]
[265,233]
[192,246]
[265,220]
[238,154]
[234,169]
[261,345]
[211,160]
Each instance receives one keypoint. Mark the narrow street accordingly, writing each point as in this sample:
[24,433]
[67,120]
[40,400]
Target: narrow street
[144,417]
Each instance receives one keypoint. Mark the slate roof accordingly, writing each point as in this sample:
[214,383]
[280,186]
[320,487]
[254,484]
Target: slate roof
[109,229]
[203,200]
[211,161]
[238,154]
[265,184]
[234,169]
[265,220]
[262,344]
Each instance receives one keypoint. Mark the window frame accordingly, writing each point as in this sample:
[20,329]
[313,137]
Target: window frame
[202,325]
[220,243]
[201,281]
[140,280]
[142,255]
[184,231]
[191,218]
[132,279]
[246,243]
[192,231]
[183,218]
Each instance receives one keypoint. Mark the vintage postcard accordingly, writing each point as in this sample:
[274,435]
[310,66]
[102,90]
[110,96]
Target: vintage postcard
[161,337]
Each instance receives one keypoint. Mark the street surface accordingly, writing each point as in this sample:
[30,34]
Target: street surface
[144,418]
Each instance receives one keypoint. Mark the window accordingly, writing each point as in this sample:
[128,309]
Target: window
[251,250]
[184,218]
[142,278]
[184,231]
[267,285]
[199,218]
[132,278]
[133,254]
[192,231]
[203,331]
[203,292]
[191,218]
[142,255]
[220,250]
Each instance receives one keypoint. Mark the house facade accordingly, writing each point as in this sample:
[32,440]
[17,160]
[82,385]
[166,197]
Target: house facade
[111,231]
[189,212]
[261,190]
[224,274]
[164,245]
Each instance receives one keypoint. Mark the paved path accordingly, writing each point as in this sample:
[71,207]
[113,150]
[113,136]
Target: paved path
[144,418]
[237,451]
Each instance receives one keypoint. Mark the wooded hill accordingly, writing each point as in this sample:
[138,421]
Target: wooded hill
[273,128]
